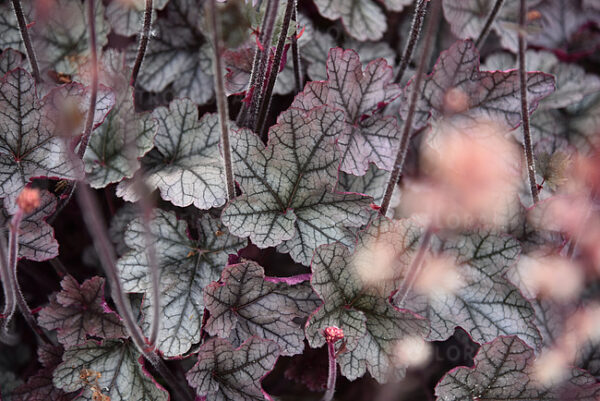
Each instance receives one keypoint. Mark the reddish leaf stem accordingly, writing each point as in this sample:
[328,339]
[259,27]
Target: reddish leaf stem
[415,32]
[488,23]
[144,39]
[261,122]
[221,100]
[15,292]
[332,335]
[35,69]
[406,129]
[524,106]
[247,116]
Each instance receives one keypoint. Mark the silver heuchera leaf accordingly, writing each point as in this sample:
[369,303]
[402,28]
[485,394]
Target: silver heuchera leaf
[373,183]
[186,267]
[287,198]
[186,165]
[9,60]
[126,17]
[115,147]
[457,86]
[122,376]
[372,326]
[179,55]
[80,310]
[561,21]
[367,136]
[485,304]
[225,373]
[244,304]
[504,371]
[362,19]
[28,148]
[10,36]
[60,36]
[572,82]
[36,237]
[468,17]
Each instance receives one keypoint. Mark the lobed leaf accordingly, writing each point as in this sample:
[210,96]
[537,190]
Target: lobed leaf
[504,371]
[367,136]
[178,56]
[372,325]
[127,17]
[362,19]
[287,198]
[492,95]
[122,375]
[186,165]
[28,148]
[223,373]
[486,304]
[468,17]
[245,304]
[79,311]
[186,266]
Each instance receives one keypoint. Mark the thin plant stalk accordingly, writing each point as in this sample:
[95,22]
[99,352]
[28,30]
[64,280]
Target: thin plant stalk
[332,372]
[488,23]
[407,127]
[528,147]
[89,122]
[298,78]
[415,33]
[257,82]
[261,123]
[13,281]
[10,299]
[332,335]
[144,39]
[221,100]
[35,69]
[414,270]
[255,64]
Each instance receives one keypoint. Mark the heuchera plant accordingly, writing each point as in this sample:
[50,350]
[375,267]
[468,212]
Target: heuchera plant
[299,200]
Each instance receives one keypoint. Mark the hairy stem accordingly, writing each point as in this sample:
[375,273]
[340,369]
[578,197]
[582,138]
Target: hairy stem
[89,122]
[259,70]
[414,270]
[221,100]
[407,127]
[488,23]
[332,372]
[13,281]
[298,78]
[524,106]
[415,32]
[261,122]
[144,39]
[35,69]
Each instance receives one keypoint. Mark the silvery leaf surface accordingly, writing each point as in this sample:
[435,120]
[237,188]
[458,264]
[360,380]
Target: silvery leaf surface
[186,267]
